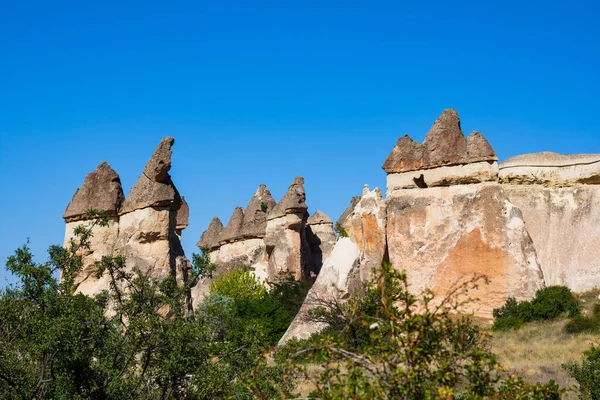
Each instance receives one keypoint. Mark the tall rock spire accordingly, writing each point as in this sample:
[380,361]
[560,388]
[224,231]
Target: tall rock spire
[154,187]
[210,237]
[292,202]
[234,226]
[101,190]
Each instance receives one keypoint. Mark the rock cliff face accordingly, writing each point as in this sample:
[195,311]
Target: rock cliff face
[450,213]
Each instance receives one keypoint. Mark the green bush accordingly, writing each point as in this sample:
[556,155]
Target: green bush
[587,374]
[548,304]
[596,310]
[580,324]
[240,285]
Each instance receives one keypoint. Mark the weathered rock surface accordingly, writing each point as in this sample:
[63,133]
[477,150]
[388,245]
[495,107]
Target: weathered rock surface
[233,229]
[255,215]
[551,169]
[183,216]
[154,187]
[321,238]
[339,274]
[101,190]
[211,236]
[366,226]
[444,145]
[292,202]
[564,225]
[444,236]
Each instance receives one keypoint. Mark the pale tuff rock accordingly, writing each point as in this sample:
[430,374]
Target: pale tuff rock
[444,145]
[353,202]
[255,216]
[477,172]
[233,229]
[334,283]
[101,190]
[287,246]
[293,202]
[551,169]
[564,226]
[444,236]
[321,238]
[366,226]
[210,237]
[154,187]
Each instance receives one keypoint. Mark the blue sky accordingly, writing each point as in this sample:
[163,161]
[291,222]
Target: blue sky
[259,92]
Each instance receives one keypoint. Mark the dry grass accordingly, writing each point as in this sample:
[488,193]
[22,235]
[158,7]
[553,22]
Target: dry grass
[537,351]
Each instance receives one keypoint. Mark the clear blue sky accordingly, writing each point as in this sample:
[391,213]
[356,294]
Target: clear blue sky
[259,92]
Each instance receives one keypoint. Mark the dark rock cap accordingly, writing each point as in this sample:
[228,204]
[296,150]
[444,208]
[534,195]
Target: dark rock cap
[183,215]
[255,216]
[319,218]
[101,190]
[154,187]
[210,237]
[292,202]
[234,227]
[444,145]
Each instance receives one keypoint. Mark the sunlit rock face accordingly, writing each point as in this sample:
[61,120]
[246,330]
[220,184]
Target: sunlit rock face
[144,228]
[559,196]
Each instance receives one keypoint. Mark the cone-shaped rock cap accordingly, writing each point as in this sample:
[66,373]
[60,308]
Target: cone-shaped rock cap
[292,202]
[210,237]
[234,227]
[319,218]
[255,216]
[444,145]
[183,215]
[154,187]
[101,190]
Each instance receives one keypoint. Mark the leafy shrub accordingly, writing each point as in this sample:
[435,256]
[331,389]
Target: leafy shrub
[596,310]
[587,374]
[581,323]
[341,231]
[548,304]
[240,285]
[393,345]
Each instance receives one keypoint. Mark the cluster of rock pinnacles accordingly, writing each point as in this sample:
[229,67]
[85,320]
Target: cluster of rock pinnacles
[450,212]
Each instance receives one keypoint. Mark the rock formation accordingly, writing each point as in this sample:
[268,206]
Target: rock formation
[321,238]
[144,228]
[559,197]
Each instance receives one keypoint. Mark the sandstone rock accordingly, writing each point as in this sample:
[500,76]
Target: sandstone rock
[233,229]
[443,236]
[154,187]
[353,202]
[366,226]
[563,224]
[444,145]
[321,238]
[551,169]
[101,190]
[338,274]
[255,216]
[210,237]
[292,202]
[477,172]
[183,215]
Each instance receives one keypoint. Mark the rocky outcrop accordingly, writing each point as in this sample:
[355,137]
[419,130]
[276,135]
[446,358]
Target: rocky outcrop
[233,229]
[101,190]
[321,238]
[255,217]
[210,237]
[144,227]
[551,169]
[560,198]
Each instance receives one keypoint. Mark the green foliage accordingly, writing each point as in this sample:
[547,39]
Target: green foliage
[587,374]
[548,304]
[390,344]
[240,285]
[341,231]
[581,323]
[596,310]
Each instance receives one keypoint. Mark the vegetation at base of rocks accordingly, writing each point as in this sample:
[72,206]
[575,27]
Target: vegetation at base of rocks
[587,373]
[340,230]
[548,304]
[390,344]
[582,323]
